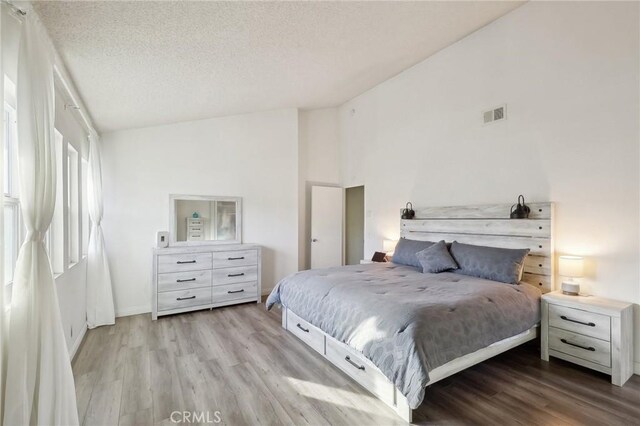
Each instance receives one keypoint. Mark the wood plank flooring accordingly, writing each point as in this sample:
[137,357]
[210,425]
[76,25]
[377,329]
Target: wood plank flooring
[240,362]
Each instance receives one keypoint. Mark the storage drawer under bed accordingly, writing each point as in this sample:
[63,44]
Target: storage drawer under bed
[360,369]
[306,332]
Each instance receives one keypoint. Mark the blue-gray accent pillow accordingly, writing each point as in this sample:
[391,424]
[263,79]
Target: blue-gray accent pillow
[436,259]
[405,252]
[491,263]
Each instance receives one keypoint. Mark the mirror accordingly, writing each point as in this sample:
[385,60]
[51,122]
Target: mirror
[206,219]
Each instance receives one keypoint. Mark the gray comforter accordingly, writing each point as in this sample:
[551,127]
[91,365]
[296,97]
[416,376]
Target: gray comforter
[406,322]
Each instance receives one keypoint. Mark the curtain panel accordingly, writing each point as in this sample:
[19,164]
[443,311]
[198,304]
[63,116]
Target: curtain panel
[4,335]
[39,381]
[100,310]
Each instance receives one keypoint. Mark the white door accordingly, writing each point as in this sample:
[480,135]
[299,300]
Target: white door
[326,226]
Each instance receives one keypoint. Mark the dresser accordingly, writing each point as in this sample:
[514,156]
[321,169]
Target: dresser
[195,229]
[590,331]
[205,276]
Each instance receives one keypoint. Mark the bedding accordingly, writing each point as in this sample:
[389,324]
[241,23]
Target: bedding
[405,252]
[436,259]
[492,263]
[408,322]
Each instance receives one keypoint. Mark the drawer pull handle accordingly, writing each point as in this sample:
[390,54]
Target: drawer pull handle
[235,258]
[186,298]
[235,275]
[306,330]
[348,359]
[590,324]
[185,281]
[181,262]
[235,291]
[590,348]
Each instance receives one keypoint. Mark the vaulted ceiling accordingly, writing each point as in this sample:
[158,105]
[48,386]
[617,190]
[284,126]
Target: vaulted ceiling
[143,63]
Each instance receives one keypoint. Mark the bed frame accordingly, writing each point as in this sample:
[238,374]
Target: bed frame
[487,225]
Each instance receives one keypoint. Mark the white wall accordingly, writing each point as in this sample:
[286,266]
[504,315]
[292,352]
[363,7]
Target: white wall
[72,299]
[569,75]
[319,164]
[253,156]
[71,284]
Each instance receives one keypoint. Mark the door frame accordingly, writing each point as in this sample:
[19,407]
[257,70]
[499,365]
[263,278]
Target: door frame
[344,219]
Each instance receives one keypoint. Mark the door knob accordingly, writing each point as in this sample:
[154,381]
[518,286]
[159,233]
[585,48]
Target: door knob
[315,240]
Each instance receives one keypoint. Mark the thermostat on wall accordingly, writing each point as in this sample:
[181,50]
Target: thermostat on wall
[162,239]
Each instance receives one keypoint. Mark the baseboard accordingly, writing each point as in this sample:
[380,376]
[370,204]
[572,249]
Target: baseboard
[78,342]
[133,310]
[636,368]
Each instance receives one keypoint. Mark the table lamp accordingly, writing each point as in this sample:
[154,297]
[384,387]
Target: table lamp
[388,246]
[571,267]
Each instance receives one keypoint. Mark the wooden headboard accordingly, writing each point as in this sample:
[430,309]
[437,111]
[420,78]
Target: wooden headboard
[489,225]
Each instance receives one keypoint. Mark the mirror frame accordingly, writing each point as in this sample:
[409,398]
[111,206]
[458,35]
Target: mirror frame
[173,220]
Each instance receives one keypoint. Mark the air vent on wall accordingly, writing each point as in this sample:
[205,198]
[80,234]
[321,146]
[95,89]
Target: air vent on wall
[495,114]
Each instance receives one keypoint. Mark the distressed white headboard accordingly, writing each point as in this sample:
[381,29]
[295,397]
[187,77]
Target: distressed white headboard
[489,225]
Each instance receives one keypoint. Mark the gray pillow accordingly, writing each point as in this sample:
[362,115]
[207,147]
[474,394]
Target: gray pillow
[405,252]
[436,259]
[491,263]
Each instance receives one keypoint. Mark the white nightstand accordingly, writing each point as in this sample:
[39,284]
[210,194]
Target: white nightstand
[590,331]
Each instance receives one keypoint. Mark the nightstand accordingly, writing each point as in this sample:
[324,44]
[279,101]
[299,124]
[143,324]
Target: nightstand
[590,331]
[365,261]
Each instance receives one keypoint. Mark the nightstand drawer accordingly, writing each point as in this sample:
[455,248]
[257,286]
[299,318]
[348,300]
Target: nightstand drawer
[582,322]
[584,347]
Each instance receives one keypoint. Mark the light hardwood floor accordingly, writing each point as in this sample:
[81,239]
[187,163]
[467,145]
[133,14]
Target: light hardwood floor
[240,362]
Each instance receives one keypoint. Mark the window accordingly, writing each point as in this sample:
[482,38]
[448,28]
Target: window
[73,230]
[13,232]
[85,208]
[55,235]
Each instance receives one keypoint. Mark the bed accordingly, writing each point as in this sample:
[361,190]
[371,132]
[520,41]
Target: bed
[396,330]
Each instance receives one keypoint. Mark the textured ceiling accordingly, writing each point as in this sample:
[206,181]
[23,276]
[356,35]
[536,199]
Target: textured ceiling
[145,63]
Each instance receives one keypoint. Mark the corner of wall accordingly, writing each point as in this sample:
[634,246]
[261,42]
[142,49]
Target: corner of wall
[78,342]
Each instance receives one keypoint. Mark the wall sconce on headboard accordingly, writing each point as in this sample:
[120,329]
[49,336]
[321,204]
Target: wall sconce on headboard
[520,210]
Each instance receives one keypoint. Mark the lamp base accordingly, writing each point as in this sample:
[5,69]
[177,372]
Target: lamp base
[570,288]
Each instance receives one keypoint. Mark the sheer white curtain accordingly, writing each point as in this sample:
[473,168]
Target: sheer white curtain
[99,293]
[39,382]
[4,340]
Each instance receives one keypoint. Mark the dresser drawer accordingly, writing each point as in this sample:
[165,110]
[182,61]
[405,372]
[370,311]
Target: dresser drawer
[183,262]
[228,259]
[306,332]
[222,293]
[582,322]
[235,275]
[360,369]
[184,298]
[580,346]
[183,280]
[194,222]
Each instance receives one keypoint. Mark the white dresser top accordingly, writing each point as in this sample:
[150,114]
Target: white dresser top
[202,248]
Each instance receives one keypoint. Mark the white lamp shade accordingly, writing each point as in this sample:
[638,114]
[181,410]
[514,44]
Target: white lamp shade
[389,246]
[571,266]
